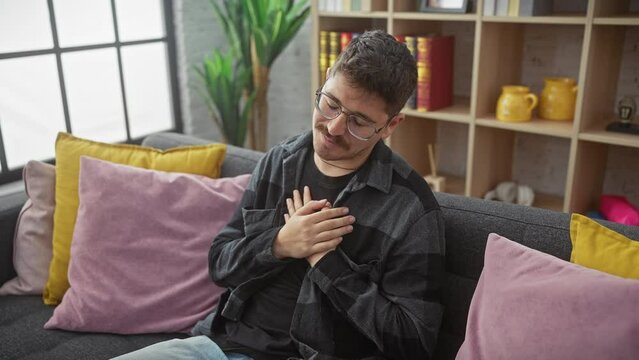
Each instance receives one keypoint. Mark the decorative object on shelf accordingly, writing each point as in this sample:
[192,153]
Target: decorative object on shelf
[626,112]
[557,101]
[511,192]
[447,6]
[515,104]
[437,183]
[626,109]
[618,209]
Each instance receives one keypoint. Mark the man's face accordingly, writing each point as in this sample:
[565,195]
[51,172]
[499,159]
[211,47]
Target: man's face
[331,138]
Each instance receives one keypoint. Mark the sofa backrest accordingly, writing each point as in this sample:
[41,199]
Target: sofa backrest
[468,222]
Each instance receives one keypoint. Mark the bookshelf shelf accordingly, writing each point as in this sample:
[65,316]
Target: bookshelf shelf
[454,184]
[562,129]
[618,20]
[587,41]
[459,112]
[611,138]
[547,201]
[355,14]
[557,19]
[434,17]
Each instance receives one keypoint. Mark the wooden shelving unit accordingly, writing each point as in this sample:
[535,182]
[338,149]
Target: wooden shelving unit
[497,45]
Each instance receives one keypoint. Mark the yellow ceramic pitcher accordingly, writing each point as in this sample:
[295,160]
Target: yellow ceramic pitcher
[558,98]
[515,104]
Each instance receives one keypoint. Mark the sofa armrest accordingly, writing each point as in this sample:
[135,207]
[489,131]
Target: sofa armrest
[10,206]
[238,160]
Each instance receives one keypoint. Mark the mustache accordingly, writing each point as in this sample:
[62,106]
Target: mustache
[339,140]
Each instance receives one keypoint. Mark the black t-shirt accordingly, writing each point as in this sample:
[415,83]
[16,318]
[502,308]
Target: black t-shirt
[263,330]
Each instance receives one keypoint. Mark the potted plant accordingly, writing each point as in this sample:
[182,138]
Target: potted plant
[257,31]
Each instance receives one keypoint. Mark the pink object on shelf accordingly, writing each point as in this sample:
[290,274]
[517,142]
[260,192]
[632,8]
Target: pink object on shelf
[618,209]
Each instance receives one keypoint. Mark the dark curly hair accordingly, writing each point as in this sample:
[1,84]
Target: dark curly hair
[375,61]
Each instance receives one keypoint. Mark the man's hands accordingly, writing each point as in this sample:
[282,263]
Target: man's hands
[312,228]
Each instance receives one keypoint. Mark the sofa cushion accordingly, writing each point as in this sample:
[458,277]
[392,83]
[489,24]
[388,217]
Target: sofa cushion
[597,247]
[139,257]
[531,305]
[34,229]
[201,160]
[23,336]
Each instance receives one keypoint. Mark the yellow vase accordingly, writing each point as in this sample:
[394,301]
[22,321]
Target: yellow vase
[557,101]
[515,104]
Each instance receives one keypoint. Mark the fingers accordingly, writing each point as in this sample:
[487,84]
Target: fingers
[326,245]
[334,233]
[297,199]
[290,206]
[286,217]
[328,213]
[307,195]
[334,223]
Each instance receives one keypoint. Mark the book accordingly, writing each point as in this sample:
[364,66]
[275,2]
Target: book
[535,7]
[501,7]
[346,5]
[356,5]
[434,72]
[366,5]
[345,38]
[333,47]
[411,44]
[489,7]
[323,55]
[513,8]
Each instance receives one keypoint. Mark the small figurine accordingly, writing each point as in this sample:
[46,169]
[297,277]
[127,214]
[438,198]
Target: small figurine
[626,112]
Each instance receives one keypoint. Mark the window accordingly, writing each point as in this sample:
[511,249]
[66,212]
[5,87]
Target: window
[100,69]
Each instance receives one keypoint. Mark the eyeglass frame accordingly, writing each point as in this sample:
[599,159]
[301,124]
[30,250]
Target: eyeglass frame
[343,110]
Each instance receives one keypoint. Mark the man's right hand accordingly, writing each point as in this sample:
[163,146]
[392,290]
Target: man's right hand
[310,231]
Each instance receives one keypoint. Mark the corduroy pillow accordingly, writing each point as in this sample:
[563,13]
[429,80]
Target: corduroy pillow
[34,229]
[201,160]
[531,305]
[139,257]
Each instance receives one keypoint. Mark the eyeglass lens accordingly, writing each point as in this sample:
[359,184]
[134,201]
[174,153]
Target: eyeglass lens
[356,125]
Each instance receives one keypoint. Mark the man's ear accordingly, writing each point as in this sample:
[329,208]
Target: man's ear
[328,72]
[392,125]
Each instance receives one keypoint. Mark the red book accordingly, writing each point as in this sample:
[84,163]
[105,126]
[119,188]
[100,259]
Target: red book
[434,72]
[345,38]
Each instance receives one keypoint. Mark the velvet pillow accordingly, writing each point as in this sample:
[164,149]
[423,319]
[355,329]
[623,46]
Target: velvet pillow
[531,305]
[597,247]
[201,160]
[139,256]
[32,239]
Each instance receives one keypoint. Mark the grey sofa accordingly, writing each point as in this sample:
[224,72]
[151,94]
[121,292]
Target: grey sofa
[468,223]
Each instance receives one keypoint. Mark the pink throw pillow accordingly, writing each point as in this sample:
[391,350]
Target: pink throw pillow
[531,305]
[139,254]
[34,231]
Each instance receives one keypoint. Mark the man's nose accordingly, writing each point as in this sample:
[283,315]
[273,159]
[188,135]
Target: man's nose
[338,126]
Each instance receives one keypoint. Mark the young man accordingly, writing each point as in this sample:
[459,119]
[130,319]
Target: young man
[337,249]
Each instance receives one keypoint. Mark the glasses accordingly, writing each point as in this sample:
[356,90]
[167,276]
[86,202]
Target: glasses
[360,126]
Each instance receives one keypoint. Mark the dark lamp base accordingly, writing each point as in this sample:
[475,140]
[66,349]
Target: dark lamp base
[617,126]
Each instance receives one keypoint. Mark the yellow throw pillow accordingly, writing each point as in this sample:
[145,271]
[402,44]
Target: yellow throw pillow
[201,160]
[597,247]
